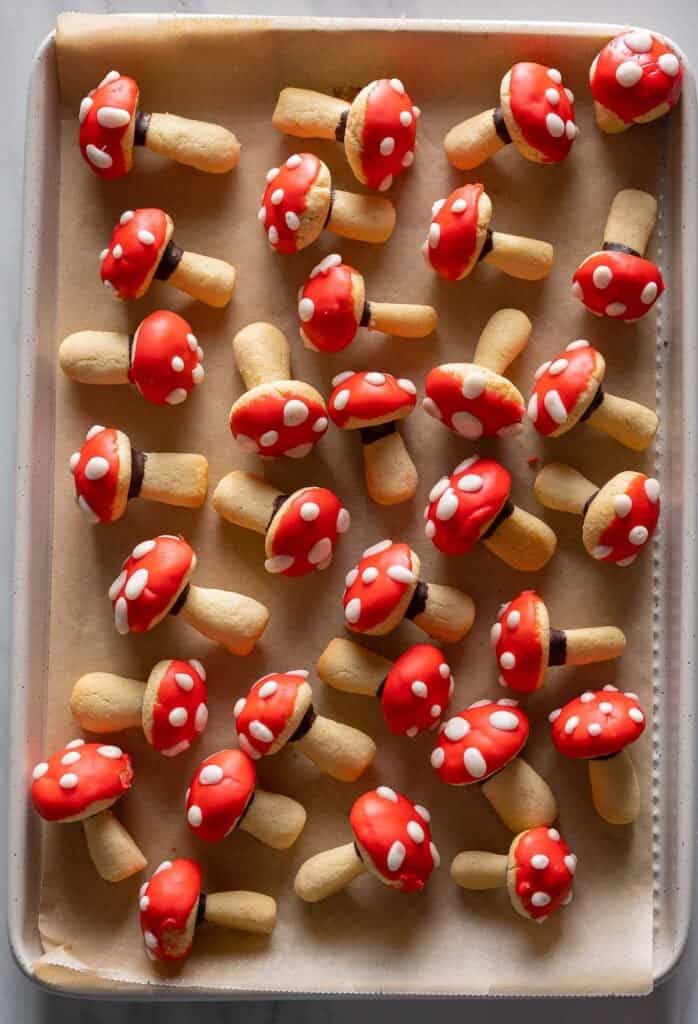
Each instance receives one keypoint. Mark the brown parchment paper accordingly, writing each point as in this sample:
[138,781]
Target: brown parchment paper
[368,939]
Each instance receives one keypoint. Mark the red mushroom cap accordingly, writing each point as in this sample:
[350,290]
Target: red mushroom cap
[457,233]
[635,74]
[564,388]
[479,741]
[464,505]
[168,905]
[80,780]
[383,121]
[381,585]
[636,514]
[521,641]
[271,712]
[219,794]
[285,201]
[133,255]
[284,418]
[304,532]
[165,359]
[106,118]
[151,579]
[416,691]
[178,713]
[330,305]
[394,838]
[617,284]
[597,724]
[102,474]
[473,401]
[541,872]
[367,399]
[539,110]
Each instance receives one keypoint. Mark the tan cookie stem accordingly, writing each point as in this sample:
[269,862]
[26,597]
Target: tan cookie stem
[362,218]
[262,354]
[351,668]
[273,819]
[233,620]
[521,798]
[391,475]
[308,114]
[104,702]
[629,423]
[340,750]
[199,144]
[400,319]
[631,219]
[96,357]
[503,338]
[444,613]
[615,790]
[204,278]
[473,141]
[113,851]
[590,645]
[174,478]
[526,258]
[477,869]
[563,488]
[521,540]
[246,500]
[328,873]
[240,911]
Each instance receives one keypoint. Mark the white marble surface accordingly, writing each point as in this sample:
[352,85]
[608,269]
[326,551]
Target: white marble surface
[23,26]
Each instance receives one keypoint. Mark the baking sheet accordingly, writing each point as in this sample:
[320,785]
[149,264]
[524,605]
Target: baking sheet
[447,942]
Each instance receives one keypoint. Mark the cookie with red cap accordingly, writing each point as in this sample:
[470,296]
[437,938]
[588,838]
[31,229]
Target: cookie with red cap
[635,79]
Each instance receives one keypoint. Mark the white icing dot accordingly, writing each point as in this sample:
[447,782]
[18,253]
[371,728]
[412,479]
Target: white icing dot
[601,551]
[369,575]
[554,714]
[376,379]
[505,721]
[554,406]
[470,483]
[543,368]
[447,506]
[496,633]
[271,174]
[143,549]
[570,95]
[165,866]
[609,688]
[74,744]
[406,118]
[136,584]
[97,157]
[513,619]
[615,309]
[437,206]
[434,234]
[397,85]
[558,367]
[279,563]
[622,503]
[532,408]
[555,76]
[577,290]
[638,535]
[456,729]
[639,41]
[126,216]
[419,689]
[74,460]
[260,731]
[269,438]
[375,549]
[295,412]
[273,235]
[539,861]
[412,731]
[320,424]
[113,117]
[507,660]
[96,468]
[605,707]
[151,940]
[652,490]
[444,670]
[422,812]
[184,681]
[555,125]
[39,771]
[438,757]
[386,183]
[320,552]
[574,345]
[554,835]
[146,237]
[387,145]
[636,715]
[68,781]
[262,215]
[571,130]
[117,252]
[594,729]
[386,793]
[628,73]
[587,697]
[176,397]
[143,903]
[602,276]
[474,384]
[474,762]
[277,196]
[438,489]
[195,816]
[211,775]
[121,616]
[341,399]
[669,63]
[72,757]
[85,107]
[401,574]
[540,899]
[571,863]
[239,706]
[435,710]
[396,856]
[407,159]
[351,578]
[430,530]
[467,425]
[93,431]
[552,96]
[459,205]
[571,724]
[649,293]
[352,612]
[178,717]
[415,832]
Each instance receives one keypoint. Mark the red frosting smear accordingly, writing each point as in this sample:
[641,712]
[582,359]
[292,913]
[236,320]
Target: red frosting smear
[452,241]
[264,714]
[104,122]
[479,741]
[371,597]
[273,423]
[626,535]
[654,87]
[131,256]
[597,724]
[285,199]
[395,834]
[166,904]
[461,507]
[369,397]
[326,306]
[469,404]
[545,867]
[628,286]
[416,691]
[220,791]
[307,531]
[165,359]
[78,776]
[389,133]
[560,383]
[182,689]
[150,581]
[96,473]
[548,127]
[517,633]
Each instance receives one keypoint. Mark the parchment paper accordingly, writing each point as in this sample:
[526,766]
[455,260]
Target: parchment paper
[368,939]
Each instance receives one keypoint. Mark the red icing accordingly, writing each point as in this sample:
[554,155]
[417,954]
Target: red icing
[159,339]
[475,509]
[169,899]
[532,110]
[453,244]
[618,728]
[98,495]
[654,88]
[263,415]
[100,777]
[119,94]
[272,712]
[379,819]
[330,324]
[188,693]
[410,711]
[644,513]
[488,414]
[523,640]
[373,398]
[221,802]
[482,748]
[555,880]
[569,384]
[167,566]
[377,599]
[128,275]
[632,278]
[386,102]
[295,181]
[310,542]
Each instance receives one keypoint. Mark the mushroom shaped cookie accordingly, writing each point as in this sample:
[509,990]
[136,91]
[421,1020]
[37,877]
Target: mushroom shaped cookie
[81,783]
[635,79]
[617,519]
[108,472]
[392,842]
[384,588]
[535,112]
[473,504]
[372,403]
[525,644]
[279,710]
[569,390]
[332,305]
[163,359]
[460,236]
[223,796]
[111,124]
[537,873]
[170,708]
[301,530]
[618,281]
[378,129]
[154,582]
[414,691]
[172,905]
[474,399]
[597,727]
[141,248]
[276,415]
[482,744]
[299,202]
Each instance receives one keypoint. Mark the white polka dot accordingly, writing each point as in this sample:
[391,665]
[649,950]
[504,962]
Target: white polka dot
[68,781]
[594,729]
[279,563]
[401,574]
[470,483]
[309,511]
[396,856]
[467,425]
[434,235]
[405,118]
[211,775]
[636,715]
[268,689]
[639,41]
[150,940]
[377,380]
[269,438]
[669,63]
[320,551]
[178,717]
[571,129]
[601,551]
[177,364]
[540,899]
[352,612]
[143,903]
[438,757]
[615,309]
[456,729]
[97,157]
[72,757]
[306,309]
[505,721]
[649,293]
[605,707]
[602,276]
[558,367]
[422,812]
[260,731]
[444,670]
[459,205]
[194,816]
[273,235]
[39,771]
[496,633]
[587,697]
[437,206]
[435,710]
[407,159]
[447,506]
[351,578]
[412,731]
[628,73]
[554,714]
[239,707]
[539,861]
[555,125]
[554,406]
[474,762]
[184,681]
[415,832]
[136,584]
[74,744]
[386,793]
[419,689]
[320,424]
[571,724]
[429,530]
[554,835]
[638,535]
[146,237]
[262,215]
[387,145]
[474,384]
[555,76]
[543,368]
[341,399]
[121,616]
[513,619]
[507,660]
[176,396]
[385,183]
[397,85]
[652,490]
[532,408]
[622,503]
[571,863]
[577,290]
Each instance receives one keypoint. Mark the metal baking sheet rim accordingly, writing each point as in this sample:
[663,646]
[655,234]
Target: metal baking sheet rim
[673,738]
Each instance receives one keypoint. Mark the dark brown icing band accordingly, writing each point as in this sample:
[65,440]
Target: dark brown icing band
[138,461]
[418,603]
[141,123]
[620,247]
[305,725]
[557,649]
[169,262]
[500,126]
[369,435]
[504,513]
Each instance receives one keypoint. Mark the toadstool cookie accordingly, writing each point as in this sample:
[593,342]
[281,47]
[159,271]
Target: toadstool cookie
[635,79]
